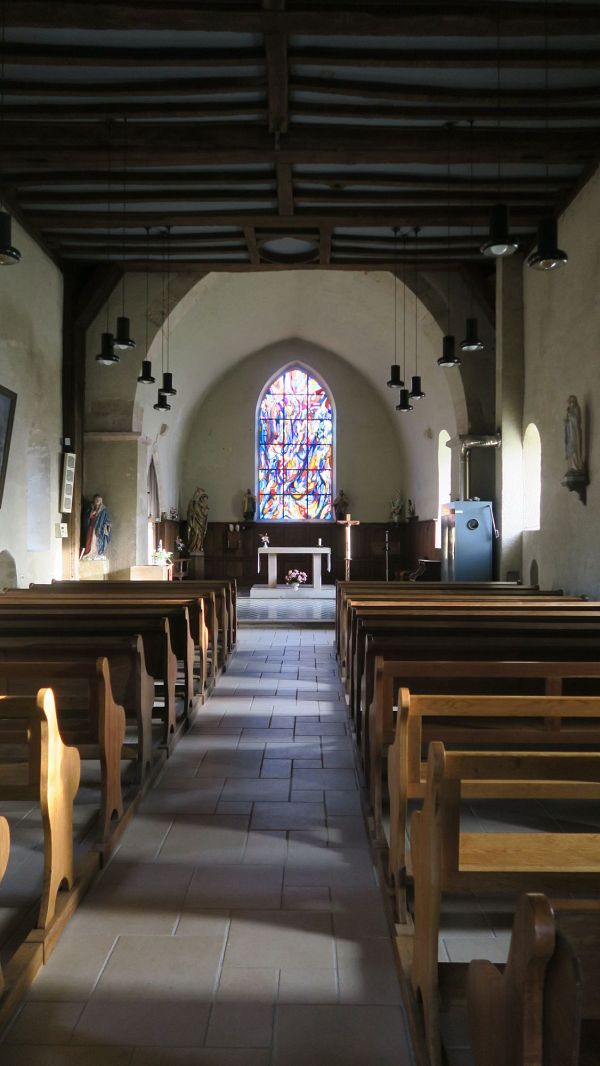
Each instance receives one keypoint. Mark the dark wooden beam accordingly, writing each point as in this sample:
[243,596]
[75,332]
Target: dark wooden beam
[347,199]
[17,54]
[446,58]
[130,89]
[425,19]
[285,189]
[433,94]
[192,181]
[159,112]
[253,252]
[277,72]
[82,146]
[342,179]
[165,195]
[329,113]
[325,246]
[186,266]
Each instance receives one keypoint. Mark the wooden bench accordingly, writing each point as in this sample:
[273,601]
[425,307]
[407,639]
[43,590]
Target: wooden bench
[89,718]
[48,774]
[445,860]
[61,623]
[407,776]
[4,857]
[543,1008]
[132,684]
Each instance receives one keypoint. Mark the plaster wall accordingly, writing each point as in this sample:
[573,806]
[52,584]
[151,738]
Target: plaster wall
[30,366]
[562,336]
[219,452]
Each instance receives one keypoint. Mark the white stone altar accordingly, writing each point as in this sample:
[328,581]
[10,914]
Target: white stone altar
[272,589]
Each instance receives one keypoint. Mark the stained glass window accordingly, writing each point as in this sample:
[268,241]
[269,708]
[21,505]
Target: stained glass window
[295,449]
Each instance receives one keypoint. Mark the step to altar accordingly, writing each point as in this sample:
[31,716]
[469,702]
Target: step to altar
[309,592]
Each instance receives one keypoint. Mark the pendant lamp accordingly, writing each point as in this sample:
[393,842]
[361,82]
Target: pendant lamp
[405,405]
[547,255]
[167,385]
[416,391]
[162,404]
[9,255]
[472,343]
[123,339]
[145,377]
[107,355]
[499,242]
[395,380]
[448,358]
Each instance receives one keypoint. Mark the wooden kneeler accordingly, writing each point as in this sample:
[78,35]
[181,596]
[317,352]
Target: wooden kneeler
[49,774]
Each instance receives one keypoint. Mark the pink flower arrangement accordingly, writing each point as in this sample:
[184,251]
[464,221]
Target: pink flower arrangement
[295,577]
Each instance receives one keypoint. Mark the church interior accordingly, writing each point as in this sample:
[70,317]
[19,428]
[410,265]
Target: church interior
[299,571]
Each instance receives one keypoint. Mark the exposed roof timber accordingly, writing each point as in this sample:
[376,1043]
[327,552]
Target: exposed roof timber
[85,145]
[325,245]
[191,266]
[409,216]
[165,112]
[435,94]
[276,52]
[17,54]
[162,87]
[250,237]
[328,113]
[424,19]
[245,199]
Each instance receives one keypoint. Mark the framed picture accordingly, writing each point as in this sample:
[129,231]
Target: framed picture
[8,402]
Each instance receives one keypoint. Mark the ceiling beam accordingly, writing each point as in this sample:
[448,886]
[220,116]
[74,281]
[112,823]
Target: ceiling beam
[191,266]
[84,145]
[277,72]
[444,58]
[252,245]
[424,19]
[285,189]
[325,245]
[162,87]
[17,54]
[433,94]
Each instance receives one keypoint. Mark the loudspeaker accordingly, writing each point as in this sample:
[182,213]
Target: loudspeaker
[68,482]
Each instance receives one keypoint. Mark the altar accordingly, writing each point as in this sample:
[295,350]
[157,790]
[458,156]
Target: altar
[317,553]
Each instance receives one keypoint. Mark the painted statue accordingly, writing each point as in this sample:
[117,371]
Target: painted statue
[341,505]
[96,528]
[249,506]
[197,521]
[573,437]
[397,509]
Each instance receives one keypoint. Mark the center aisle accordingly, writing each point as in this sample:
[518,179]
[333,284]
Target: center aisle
[240,922]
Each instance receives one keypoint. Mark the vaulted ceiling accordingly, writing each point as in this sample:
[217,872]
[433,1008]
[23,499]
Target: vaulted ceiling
[249,135]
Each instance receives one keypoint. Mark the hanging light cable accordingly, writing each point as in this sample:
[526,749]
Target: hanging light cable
[471,343]
[448,358]
[405,405]
[162,403]
[107,355]
[9,255]
[416,391]
[145,377]
[167,386]
[547,255]
[499,242]
[395,381]
[123,340]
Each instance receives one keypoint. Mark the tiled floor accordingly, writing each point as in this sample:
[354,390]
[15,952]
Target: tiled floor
[239,923]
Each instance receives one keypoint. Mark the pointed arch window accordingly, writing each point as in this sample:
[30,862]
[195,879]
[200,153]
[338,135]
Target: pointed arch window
[295,434]
[532,477]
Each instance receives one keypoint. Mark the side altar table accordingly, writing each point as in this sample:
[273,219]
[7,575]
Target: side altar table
[317,555]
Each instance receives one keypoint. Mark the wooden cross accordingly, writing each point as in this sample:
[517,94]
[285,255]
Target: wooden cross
[348,522]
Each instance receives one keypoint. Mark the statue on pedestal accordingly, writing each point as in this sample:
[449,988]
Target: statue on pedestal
[576,478]
[340,505]
[96,529]
[249,506]
[197,521]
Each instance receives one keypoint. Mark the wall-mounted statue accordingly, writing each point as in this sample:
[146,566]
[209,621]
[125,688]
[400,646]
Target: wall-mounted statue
[96,529]
[249,505]
[398,509]
[197,521]
[341,505]
[576,478]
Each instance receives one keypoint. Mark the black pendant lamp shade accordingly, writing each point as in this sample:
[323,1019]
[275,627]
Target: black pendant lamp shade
[145,377]
[472,343]
[416,392]
[162,404]
[499,242]
[405,404]
[395,381]
[449,357]
[107,355]
[547,255]
[167,385]
[9,255]
[122,339]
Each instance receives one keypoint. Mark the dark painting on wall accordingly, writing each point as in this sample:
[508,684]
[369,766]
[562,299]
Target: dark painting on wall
[8,402]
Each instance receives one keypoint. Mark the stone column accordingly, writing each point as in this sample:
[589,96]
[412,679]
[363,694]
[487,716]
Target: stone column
[509,412]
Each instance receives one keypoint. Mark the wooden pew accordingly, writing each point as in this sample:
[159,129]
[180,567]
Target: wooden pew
[60,623]
[89,718]
[132,684]
[543,1008]
[448,861]
[49,774]
[505,714]
[469,634]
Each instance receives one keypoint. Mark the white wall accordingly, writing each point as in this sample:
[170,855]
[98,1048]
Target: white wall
[562,356]
[30,365]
